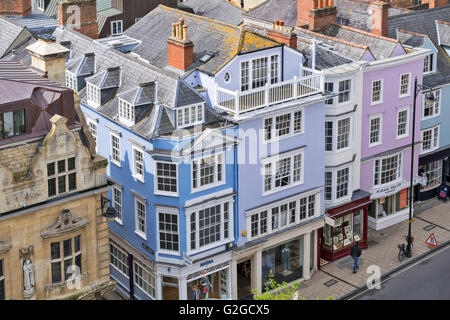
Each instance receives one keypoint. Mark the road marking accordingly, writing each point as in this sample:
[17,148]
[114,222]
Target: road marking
[404,269]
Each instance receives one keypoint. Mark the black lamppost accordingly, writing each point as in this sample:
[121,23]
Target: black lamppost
[110,211]
[429,99]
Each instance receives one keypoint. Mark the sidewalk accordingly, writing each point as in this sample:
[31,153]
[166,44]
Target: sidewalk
[382,252]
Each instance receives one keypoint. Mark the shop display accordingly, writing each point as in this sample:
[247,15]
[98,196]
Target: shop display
[286,252]
[209,287]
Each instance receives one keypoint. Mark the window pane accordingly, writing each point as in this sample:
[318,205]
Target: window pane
[61,166]
[78,263]
[72,181]
[62,184]
[68,268]
[19,122]
[51,187]
[55,252]
[67,247]
[8,124]
[77,242]
[71,164]
[56,272]
[50,169]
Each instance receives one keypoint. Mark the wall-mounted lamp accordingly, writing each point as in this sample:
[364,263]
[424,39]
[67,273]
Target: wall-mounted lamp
[110,211]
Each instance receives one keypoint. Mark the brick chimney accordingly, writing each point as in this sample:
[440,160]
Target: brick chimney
[87,20]
[49,56]
[316,14]
[436,3]
[15,7]
[180,50]
[283,34]
[380,18]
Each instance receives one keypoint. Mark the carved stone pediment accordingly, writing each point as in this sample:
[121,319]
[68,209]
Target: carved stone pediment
[66,223]
[4,246]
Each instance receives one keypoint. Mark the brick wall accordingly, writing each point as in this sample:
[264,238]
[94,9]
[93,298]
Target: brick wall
[380,18]
[15,7]
[437,3]
[87,19]
[180,54]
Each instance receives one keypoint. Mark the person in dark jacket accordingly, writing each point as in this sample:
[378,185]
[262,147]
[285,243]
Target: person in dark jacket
[355,253]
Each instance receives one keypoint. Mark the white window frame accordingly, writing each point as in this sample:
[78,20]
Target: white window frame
[117,23]
[115,161]
[273,127]
[334,139]
[380,133]
[434,144]
[196,210]
[399,170]
[71,81]
[302,200]
[406,134]
[350,91]
[408,93]
[169,211]
[125,263]
[216,182]
[334,172]
[431,65]
[126,113]
[140,233]
[116,205]
[273,162]
[92,123]
[250,63]
[181,115]
[136,262]
[372,92]
[40,4]
[437,95]
[93,95]
[163,192]
[137,175]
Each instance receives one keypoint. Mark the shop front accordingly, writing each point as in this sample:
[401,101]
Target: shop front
[389,205]
[344,225]
[435,170]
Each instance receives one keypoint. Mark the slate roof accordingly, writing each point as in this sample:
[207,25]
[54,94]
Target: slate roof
[37,23]
[411,38]
[424,22]
[20,54]
[18,72]
[272,10]
[82,65]
[220,10]
[443,31]
[381,47]
[10,31]
[223,40]
[155,119]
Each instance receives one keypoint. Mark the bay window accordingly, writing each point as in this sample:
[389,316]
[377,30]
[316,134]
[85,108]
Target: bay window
[338,134]
[338,184]
[433,173]
[344,91]
[430,139]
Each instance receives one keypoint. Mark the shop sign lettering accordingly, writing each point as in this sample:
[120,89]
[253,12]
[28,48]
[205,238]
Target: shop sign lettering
[387,190]
[206,262]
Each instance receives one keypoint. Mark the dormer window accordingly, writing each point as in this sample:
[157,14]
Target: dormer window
[428,65]
[12,123]
[93,95]
[190,115]
[126,113]
[71,81]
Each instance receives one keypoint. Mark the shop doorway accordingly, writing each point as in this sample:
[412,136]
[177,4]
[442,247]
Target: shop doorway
[244,280]
[170,288]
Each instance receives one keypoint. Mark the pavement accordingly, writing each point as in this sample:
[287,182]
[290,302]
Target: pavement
[336,278]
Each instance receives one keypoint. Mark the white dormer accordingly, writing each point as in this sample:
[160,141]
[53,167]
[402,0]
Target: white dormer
[190,115]
[126,113]
[93,95]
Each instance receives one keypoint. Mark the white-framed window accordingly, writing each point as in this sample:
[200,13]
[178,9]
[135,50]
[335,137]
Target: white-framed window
[126,113]
[166,178]
[403,122]
[430,139]
[377,91]
[433,109]
[117,203]
[280,215]
[338,134]
[433,173]
[263,70]
[345,87]
[118,258]
[329,86]
[71,81]
[284,125]
[40,4]
[428,65]
[189,115]
[338,184]
[208,172]
[144,279]
[405,85]
[115,149]
[93,95]
[140,217]
[387,169]
[168,230]
[92,125]
[116,27]
[61,176]
[138,164]
[375,130]
[210,225]
[283,171]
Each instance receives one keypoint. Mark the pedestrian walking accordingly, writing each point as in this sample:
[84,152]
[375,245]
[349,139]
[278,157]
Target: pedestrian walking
[355,253]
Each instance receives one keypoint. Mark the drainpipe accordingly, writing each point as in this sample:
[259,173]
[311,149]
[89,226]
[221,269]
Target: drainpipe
[313,54]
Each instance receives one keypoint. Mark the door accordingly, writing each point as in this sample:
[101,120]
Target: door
[170,288]
[244,280]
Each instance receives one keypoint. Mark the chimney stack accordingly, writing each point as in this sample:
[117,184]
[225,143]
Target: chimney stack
[436,3]
[15,7]
[50,57]
[86,23]
[180,50]
[283,34]
[380,18]
[316,14]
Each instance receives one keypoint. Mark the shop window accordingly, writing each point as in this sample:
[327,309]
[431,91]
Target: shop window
[2,281]
[118,258]
[283,262]
[347,229]
[65,259]
[386,206]
[433,172]
[144,280]
[12,123]
[213,286]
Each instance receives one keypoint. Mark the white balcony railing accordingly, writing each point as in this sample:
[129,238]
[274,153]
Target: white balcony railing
[239,102]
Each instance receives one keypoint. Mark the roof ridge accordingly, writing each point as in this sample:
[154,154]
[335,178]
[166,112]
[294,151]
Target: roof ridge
[420,12]
[413,33]
[365,32]
[199,17]
[353,44]
[443,22]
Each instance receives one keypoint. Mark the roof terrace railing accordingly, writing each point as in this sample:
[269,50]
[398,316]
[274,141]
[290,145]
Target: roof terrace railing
[239,102]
